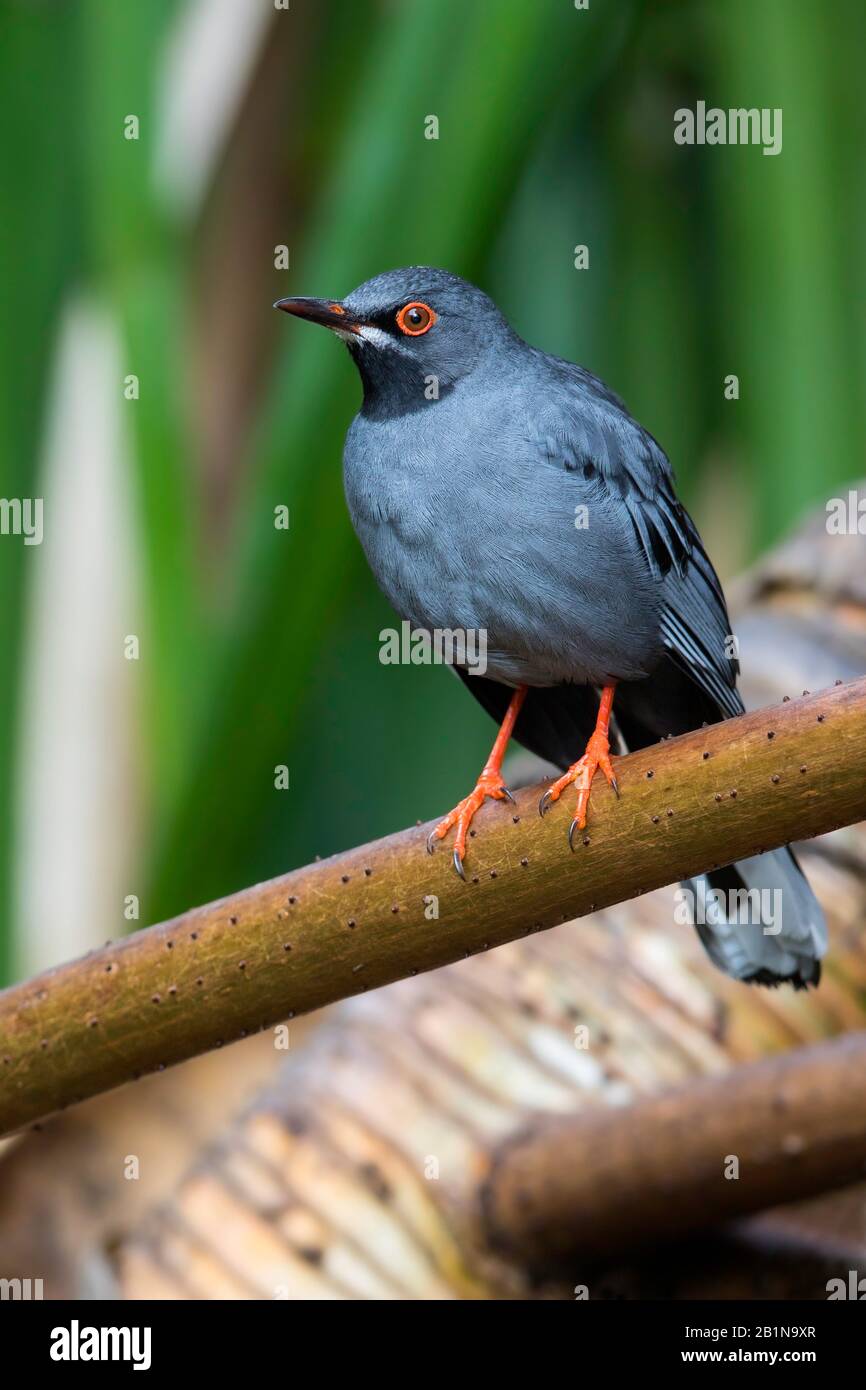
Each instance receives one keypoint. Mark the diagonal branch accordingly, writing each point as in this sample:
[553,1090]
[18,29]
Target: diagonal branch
[379,913]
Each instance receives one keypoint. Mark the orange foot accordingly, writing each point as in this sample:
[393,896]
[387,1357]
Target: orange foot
[489,784]
[581,774]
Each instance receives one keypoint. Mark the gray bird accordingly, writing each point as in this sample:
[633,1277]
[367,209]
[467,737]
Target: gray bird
[498,490]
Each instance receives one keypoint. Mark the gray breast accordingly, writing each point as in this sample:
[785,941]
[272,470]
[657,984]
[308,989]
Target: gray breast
[466,524]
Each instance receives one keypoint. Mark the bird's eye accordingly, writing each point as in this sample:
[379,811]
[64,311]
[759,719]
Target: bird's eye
[415,318]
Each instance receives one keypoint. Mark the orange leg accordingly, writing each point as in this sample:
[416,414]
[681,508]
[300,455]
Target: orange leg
[581,773]
[489,784]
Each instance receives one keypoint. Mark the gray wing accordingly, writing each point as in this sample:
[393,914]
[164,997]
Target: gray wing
[602,441]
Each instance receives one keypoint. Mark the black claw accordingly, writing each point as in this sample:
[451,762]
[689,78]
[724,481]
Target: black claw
[458,865]
[507,794]
[431,839]
[544,804]
[571,830]
[615,784]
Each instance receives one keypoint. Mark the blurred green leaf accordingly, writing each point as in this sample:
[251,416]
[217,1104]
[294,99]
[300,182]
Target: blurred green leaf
[794,328]
[39,246]
[136,260]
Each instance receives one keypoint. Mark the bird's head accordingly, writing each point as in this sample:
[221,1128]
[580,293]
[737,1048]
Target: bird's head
[413,333]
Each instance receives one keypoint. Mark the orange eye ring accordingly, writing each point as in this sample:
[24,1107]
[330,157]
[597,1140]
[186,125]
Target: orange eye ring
[415,318]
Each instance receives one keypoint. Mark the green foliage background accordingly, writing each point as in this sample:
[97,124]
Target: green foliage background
[555,130]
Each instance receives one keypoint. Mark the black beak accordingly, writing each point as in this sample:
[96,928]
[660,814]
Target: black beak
[327,312]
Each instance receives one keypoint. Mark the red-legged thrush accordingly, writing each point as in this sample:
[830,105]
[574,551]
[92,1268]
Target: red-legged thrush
[497,490]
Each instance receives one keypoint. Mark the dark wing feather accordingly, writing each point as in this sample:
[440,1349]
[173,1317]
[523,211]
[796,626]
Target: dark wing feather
[600,437]
[603,439]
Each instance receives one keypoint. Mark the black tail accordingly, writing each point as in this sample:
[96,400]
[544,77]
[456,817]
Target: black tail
[758,920]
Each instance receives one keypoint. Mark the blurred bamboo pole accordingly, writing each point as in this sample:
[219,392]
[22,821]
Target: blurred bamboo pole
[609,1180]
[386,911]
